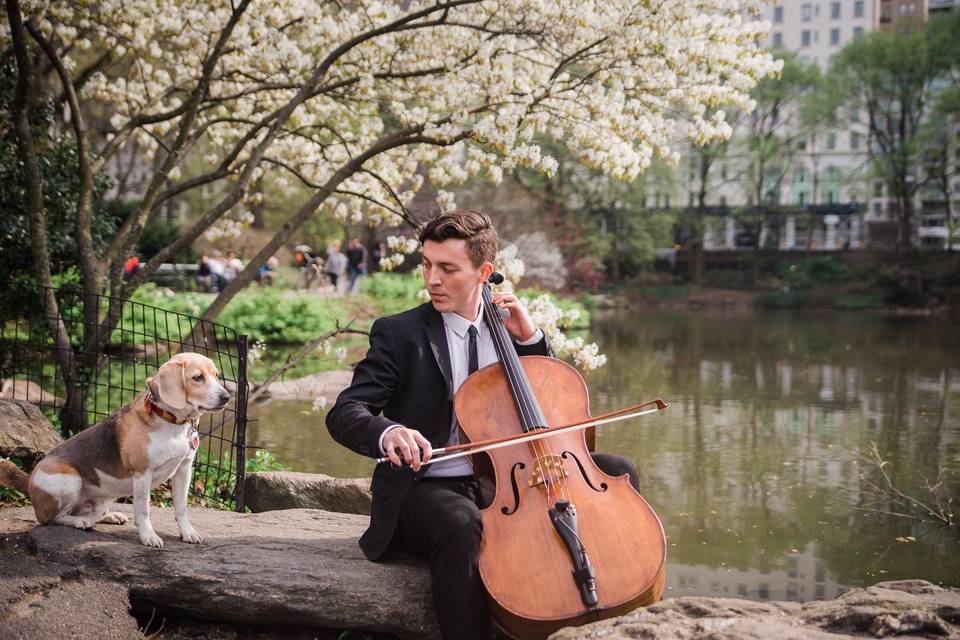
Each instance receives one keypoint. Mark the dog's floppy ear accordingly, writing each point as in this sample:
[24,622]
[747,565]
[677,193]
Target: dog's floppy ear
[168,385]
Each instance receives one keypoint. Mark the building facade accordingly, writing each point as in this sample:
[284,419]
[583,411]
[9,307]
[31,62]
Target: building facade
[823,191]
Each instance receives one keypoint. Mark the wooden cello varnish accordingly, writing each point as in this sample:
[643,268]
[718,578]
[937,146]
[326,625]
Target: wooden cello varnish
[539,576]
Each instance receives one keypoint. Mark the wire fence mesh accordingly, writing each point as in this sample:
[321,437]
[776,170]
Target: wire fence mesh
[78,370]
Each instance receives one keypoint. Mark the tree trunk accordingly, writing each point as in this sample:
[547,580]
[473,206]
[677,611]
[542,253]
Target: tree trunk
[72,413]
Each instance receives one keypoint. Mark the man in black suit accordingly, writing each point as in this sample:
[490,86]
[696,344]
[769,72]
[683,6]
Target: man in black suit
[400,404]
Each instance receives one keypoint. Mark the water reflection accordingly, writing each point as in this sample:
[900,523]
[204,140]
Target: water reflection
[752,467]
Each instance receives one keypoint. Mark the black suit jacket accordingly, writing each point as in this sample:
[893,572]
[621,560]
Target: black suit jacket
[405,379]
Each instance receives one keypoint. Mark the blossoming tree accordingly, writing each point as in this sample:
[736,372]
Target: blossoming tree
[352,99]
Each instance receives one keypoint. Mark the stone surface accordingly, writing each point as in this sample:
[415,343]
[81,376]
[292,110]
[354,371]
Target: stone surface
[906,609]
[28,391]
[297,566]
[24,432]
[271,490]
[327,384]
[43,599]
[303,567]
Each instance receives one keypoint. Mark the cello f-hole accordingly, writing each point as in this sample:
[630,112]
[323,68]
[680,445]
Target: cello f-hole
[583,472]
[516,490]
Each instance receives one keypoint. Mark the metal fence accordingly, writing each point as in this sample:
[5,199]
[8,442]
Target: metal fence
[32,368]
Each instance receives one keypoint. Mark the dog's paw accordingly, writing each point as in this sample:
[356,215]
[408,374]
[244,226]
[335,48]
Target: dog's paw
[151,539]
[85,524]
[114,517]
[190,535]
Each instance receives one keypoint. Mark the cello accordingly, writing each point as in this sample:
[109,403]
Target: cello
[563,543]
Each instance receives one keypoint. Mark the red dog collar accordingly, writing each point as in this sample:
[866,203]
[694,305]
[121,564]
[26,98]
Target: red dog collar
[163,413]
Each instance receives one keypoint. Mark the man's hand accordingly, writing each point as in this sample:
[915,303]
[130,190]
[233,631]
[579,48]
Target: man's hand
[406,445]
[519,324]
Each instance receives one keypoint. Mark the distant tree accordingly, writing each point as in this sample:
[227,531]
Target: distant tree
[617,222]
[770,143]
[893,76]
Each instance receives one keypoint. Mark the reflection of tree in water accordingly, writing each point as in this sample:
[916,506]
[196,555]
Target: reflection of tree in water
[754,459]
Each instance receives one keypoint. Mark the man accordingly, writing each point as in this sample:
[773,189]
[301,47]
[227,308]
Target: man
[335,264]
[400,404]
[356,262]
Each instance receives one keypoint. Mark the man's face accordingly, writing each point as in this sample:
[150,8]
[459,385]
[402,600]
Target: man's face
[452,280]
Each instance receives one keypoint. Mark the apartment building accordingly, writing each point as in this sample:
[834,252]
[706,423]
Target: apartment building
[828,179]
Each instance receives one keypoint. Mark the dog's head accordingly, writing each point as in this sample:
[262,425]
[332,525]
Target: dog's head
[187,385]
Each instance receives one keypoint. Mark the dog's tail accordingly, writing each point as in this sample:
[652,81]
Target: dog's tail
[11,476]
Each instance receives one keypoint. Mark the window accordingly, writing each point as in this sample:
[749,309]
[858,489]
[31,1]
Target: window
[778,14]
[805,38]
[857,32]
[878,189]
[802,145]
[723,201]
[802,198]
[903,8]
[835,10]
[723,171]
[831,141]
[854,140]
[834,36]
[858,9]
[801,175]
[777,39]
[806,12]
[878,208]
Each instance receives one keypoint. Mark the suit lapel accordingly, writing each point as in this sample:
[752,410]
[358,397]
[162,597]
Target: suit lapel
[437,337]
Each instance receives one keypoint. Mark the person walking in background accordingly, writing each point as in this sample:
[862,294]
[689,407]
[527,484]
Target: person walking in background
[335,265]
[131,266]
[378,251]
[204,275]
[217,271]
[232,267]
[356,262]
[268,271]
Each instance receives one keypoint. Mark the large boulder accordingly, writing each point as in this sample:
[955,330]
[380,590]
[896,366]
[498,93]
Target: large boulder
[912,608]
[295,567]
[40,599]
[24,432]
[270,490]
[303,567]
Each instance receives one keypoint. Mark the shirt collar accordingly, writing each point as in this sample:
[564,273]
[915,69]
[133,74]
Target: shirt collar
[461,325]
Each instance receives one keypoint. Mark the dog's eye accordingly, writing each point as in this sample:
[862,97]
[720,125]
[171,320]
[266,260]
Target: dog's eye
[198,377]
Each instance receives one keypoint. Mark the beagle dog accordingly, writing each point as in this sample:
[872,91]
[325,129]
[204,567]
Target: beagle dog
[132,451]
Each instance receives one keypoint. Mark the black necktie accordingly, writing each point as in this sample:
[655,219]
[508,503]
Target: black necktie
[472,361]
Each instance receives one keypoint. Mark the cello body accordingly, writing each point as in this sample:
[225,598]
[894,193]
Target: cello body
[538,575]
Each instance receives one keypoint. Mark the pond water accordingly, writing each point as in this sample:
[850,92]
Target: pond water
[754,467]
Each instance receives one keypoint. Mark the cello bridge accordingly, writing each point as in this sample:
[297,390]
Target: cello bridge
[549,467]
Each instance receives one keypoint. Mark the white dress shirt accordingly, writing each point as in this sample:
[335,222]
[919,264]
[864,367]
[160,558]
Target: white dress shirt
[458,344]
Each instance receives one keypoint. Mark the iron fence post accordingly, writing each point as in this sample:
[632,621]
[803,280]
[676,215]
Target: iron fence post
[240,419]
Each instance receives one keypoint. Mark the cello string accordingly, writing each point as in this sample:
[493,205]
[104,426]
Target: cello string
[556,487]
[526,403]
[498,331]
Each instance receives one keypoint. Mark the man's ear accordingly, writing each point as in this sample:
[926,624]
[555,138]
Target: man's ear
[168,387]
[485,270]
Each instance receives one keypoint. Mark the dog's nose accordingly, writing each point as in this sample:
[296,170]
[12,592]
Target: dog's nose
[225,396]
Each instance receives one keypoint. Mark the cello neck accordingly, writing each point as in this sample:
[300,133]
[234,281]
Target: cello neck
[531,415]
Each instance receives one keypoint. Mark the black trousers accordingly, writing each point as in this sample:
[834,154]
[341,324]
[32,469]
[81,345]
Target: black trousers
[440,522]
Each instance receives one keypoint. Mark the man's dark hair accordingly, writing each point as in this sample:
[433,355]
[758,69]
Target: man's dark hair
[473,226]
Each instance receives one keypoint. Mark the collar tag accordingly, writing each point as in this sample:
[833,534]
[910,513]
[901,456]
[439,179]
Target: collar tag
[194,438]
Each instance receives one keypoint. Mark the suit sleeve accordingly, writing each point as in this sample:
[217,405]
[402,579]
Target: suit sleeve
[541,348]
[355,421]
